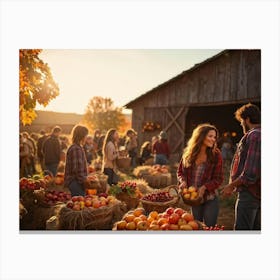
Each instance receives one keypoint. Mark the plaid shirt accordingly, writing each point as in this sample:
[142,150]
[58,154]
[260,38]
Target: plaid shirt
[212,177]
[161,148]
[76,165]
[246,163]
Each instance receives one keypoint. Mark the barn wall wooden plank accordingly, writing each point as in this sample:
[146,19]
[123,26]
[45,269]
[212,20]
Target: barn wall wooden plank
[254,74]
[232,78]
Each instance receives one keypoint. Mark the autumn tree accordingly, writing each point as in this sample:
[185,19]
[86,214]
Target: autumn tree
[36,84]
[101,113]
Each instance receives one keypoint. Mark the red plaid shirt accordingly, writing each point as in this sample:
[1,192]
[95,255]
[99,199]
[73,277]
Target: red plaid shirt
[76,165]
[212,177]
[161,147]
[246,164]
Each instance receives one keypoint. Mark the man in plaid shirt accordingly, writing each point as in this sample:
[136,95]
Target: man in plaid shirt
[245,175]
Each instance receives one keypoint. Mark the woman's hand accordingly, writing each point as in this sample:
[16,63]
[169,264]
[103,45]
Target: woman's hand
[227,190]
[201,191]
[182,186]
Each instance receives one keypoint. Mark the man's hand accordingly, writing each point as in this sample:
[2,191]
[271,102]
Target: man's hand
[227,190]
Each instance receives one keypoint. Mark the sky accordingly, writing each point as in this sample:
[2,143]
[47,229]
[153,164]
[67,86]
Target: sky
[121,74]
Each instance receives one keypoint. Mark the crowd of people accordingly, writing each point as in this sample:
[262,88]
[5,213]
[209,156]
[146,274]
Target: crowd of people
[201,164]
[47,152]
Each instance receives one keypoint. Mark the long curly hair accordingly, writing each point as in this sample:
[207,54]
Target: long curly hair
[195,143]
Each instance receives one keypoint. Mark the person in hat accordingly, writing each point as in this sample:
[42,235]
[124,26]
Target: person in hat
[161,149]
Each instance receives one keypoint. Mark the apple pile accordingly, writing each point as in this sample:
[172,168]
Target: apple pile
[160,196]
[32,184]
[52,197]
[170,219]
[190,193]
[78,203]
[156,169]
[216,227]
[133,220]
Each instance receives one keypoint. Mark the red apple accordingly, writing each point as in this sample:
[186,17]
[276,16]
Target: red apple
[43,183]
[188,217]
[75,198]
[70,204]
[179,211]
[165,215]
[88,202]
[174,218]
[23,181]
[76,206]
[164,227]
[169,210]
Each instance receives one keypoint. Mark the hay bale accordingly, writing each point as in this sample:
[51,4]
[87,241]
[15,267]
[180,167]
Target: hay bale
[101,218]
[37,216]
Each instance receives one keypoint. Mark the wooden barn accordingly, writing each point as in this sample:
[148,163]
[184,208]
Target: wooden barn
[210,91]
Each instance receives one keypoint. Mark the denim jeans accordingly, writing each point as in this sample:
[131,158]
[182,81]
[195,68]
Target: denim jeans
[247,212]
[207,212]
[161,159]
[52,167]
[76,188]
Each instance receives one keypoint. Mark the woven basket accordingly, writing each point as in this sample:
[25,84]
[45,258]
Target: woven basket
[100,187]
[160,207]
[89,219]
[131,202]
[192,202]
[103,180]
[158,181]
[124,162]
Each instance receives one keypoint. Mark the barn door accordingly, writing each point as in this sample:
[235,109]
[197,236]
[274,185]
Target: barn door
[175,127]
[172,120]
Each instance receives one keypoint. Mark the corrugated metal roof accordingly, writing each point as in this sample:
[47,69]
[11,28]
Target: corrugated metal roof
[178,76]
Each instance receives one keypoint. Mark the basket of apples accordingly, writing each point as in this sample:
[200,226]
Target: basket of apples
[161,199]
[51,198]
[95,183]
[190,196]
[90,212]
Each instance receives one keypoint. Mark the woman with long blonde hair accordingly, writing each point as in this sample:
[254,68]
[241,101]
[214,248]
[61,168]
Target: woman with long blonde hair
[201,167]
[110,154]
